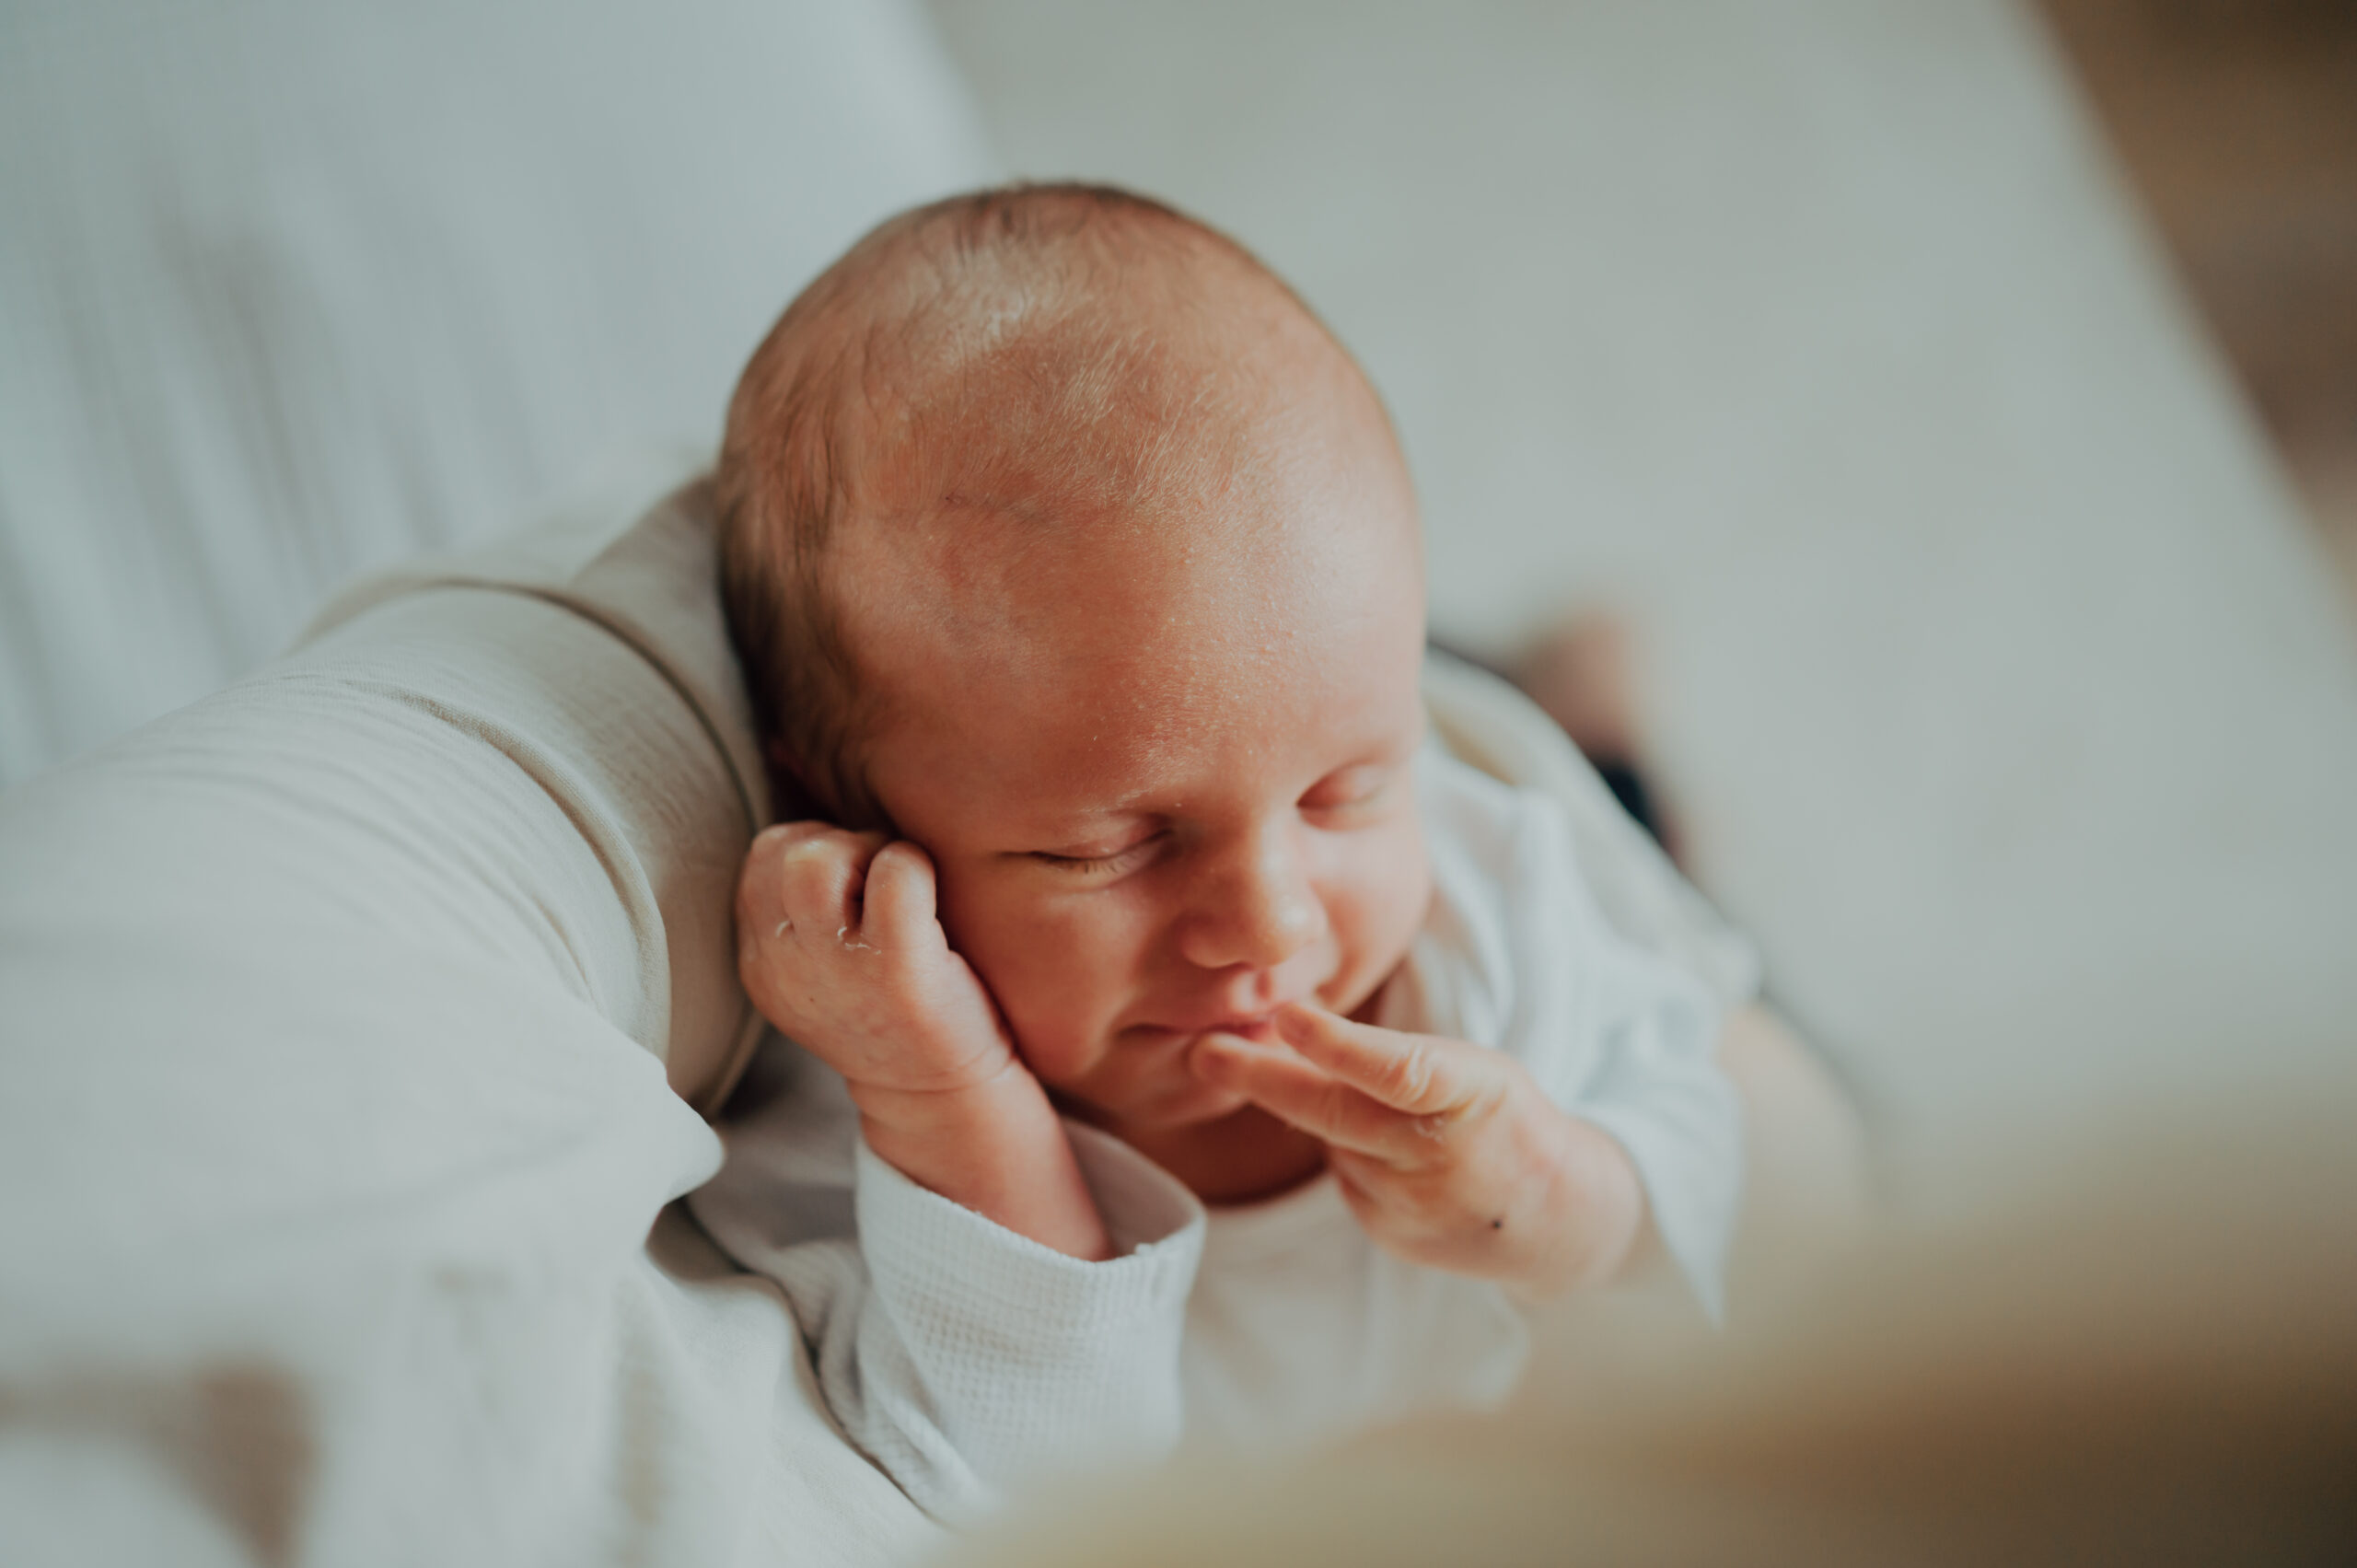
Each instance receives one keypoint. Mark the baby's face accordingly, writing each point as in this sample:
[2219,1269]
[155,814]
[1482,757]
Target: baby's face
[1166,776]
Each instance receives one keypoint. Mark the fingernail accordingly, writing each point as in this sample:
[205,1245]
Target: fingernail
[1293,1020]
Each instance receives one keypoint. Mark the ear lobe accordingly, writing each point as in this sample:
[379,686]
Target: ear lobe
[790,786]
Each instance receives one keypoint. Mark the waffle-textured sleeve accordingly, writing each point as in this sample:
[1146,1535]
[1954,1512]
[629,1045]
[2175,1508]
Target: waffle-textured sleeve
[965,1359]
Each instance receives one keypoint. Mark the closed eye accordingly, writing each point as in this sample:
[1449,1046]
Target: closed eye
[1106,863]
[1349,787]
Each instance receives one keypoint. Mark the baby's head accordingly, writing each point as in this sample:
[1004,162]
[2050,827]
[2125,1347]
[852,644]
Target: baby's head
[1059,537]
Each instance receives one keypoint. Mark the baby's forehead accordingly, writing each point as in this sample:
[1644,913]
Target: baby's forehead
[1095,407]
[1132,648]
[1057,533]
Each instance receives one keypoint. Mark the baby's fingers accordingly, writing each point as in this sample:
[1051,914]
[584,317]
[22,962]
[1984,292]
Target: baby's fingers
[760,885]
[1321,1105]
[818,874]
[1420,1074]
[898,913]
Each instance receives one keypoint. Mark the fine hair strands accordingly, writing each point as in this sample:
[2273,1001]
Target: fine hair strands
[825,410]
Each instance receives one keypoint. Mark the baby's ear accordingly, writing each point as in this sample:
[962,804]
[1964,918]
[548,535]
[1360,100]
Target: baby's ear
[797,800]
[792,798]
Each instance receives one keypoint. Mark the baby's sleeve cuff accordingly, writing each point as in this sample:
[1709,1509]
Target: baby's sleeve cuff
[1033,1360]
[1694,1185]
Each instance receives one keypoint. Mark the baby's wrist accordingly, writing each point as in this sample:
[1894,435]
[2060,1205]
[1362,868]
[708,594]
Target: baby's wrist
[1595,1209]
[1007,1098]
[996,1147]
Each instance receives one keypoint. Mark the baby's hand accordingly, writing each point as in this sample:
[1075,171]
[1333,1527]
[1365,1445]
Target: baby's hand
[839,946]
[1449,1154]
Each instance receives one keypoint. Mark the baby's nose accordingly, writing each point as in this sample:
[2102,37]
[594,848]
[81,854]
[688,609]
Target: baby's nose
[1258,908]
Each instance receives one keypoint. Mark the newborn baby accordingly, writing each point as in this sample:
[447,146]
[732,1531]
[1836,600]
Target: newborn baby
[1178,1042]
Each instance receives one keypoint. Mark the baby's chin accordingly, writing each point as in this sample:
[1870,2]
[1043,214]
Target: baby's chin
[1167,1107]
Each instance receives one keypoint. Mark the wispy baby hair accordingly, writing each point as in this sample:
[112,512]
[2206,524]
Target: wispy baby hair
[992,345]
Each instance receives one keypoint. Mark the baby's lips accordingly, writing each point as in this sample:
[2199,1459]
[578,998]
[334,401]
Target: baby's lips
[1295,1020]
[1216,1052]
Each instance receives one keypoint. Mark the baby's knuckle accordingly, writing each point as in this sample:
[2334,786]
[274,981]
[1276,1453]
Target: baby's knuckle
[818,849]
[799,842]
[1491,1102]
[780,837]
[1413,1072]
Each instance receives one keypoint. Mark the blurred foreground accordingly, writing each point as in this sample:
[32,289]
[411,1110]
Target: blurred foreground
[2153,1359]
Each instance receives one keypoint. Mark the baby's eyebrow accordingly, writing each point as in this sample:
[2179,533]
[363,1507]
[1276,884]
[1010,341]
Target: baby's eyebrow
[1086,823]
[1097,833]
[1105,811]
[1073,825]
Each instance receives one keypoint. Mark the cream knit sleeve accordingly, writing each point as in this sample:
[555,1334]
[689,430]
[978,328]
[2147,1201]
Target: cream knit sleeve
[964,1359]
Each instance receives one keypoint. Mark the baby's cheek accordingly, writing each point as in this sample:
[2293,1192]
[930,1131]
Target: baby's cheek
[998,933]
[1059,967]
[1377,912]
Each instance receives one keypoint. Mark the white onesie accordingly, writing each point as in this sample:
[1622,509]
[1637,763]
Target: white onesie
[963,1358]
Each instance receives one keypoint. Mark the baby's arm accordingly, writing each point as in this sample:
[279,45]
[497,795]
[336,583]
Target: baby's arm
[962,1359]
[961,1331]
[840,948]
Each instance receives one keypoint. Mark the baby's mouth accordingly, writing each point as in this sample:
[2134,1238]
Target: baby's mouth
[1160,1049]
[1257,1026]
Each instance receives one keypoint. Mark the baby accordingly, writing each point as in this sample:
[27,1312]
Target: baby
[1179,1043]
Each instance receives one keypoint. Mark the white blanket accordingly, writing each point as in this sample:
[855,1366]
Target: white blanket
[291,290]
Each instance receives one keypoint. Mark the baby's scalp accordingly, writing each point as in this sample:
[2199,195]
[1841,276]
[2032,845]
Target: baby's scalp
[978,397]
